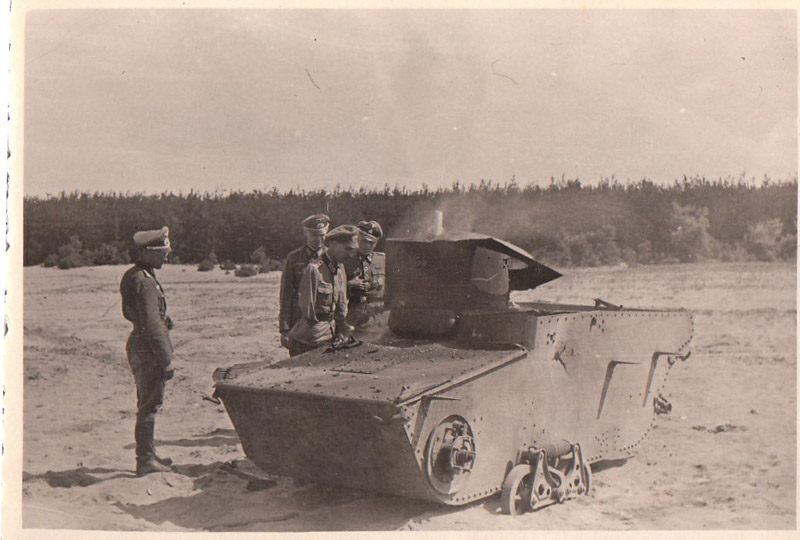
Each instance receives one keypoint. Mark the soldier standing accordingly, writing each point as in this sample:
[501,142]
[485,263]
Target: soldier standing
[314,227]
[323,295]
[366,271]
[149,348]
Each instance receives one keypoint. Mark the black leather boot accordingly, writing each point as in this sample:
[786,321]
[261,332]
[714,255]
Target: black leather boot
[150,466]
[146,459]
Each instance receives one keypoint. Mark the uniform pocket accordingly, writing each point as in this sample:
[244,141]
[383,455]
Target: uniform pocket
[324,302]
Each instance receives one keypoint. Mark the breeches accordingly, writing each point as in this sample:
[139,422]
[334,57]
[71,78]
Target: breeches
[149,379]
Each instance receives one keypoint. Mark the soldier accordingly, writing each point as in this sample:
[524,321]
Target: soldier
[314,227]
[323,295]
[149,348]
[366,271]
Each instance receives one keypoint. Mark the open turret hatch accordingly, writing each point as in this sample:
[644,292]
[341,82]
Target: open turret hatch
[524,272]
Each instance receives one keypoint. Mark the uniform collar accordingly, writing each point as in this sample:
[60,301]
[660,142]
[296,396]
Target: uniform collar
[147,268]
[367,257]
[314,253]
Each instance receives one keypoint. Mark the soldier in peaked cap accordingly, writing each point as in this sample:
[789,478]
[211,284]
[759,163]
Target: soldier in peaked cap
[149,348]
[315,228]
[366,273]
[323,295]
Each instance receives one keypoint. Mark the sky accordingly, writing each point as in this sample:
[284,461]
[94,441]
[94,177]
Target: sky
[154,100]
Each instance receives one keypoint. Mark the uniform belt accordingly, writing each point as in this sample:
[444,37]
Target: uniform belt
[140,329]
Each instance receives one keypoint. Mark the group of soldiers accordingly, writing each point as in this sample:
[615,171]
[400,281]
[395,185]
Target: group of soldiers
[330,286]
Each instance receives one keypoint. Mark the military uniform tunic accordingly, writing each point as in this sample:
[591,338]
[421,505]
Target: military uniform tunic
[323,303]
[363,305]
[149,349]
[145,305]
[296,263]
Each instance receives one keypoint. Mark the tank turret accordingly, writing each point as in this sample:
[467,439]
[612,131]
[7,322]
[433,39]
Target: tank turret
[452,284]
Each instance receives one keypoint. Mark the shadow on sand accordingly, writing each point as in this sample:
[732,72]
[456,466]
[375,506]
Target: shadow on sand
[218,437]
[237,496]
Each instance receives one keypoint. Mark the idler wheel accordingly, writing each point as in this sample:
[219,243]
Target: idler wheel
[515,497]
[450,455]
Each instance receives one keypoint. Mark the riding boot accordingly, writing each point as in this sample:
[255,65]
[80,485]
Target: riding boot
[146,460]
[163,460]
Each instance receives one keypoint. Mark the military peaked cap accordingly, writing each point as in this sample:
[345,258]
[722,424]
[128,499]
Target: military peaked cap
[370,229]
[317,222]
[342,232]
[157,240]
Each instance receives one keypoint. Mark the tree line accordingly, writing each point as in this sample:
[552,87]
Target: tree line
[564,223]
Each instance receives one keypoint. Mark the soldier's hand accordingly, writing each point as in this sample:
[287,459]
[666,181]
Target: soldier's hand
[285,340]
[358,284]
[169,373]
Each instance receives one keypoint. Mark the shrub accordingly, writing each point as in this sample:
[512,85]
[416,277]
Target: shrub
[690,235]
[227,265]
[50,261]
[270,265]
[767,242]
[246,270]
[70,254]
[206,265]
[644,252]
[109,254]
[259,256]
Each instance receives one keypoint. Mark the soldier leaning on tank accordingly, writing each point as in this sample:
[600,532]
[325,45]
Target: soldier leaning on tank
[323,295]
[366,271]
[148,347]
[314,227]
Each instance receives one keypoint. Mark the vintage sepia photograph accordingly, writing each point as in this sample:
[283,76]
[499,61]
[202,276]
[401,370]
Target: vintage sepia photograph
[372,269]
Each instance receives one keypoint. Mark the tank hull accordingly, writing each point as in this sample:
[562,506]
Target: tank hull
[369,417]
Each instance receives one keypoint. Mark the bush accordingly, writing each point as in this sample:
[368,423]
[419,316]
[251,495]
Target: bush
[690,234]
[50,261]
[270,265]
[644,252]
[734,253]
[246,270]
[767,242]
[259,256]
[109,254]
[227,265]
[70,255]
[206,265]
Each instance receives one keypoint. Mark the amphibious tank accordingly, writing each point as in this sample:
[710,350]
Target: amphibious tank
[463,393]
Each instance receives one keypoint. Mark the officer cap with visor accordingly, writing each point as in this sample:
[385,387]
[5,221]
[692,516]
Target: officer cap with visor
[318,223]
[342,233]
[155,240]
[371,230]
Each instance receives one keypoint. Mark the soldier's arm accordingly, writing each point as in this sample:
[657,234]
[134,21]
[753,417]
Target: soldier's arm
[152,327]
[308,293]
[380,267]
[340,304]
[286,297]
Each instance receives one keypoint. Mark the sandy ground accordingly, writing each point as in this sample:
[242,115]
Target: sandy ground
[723,459]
